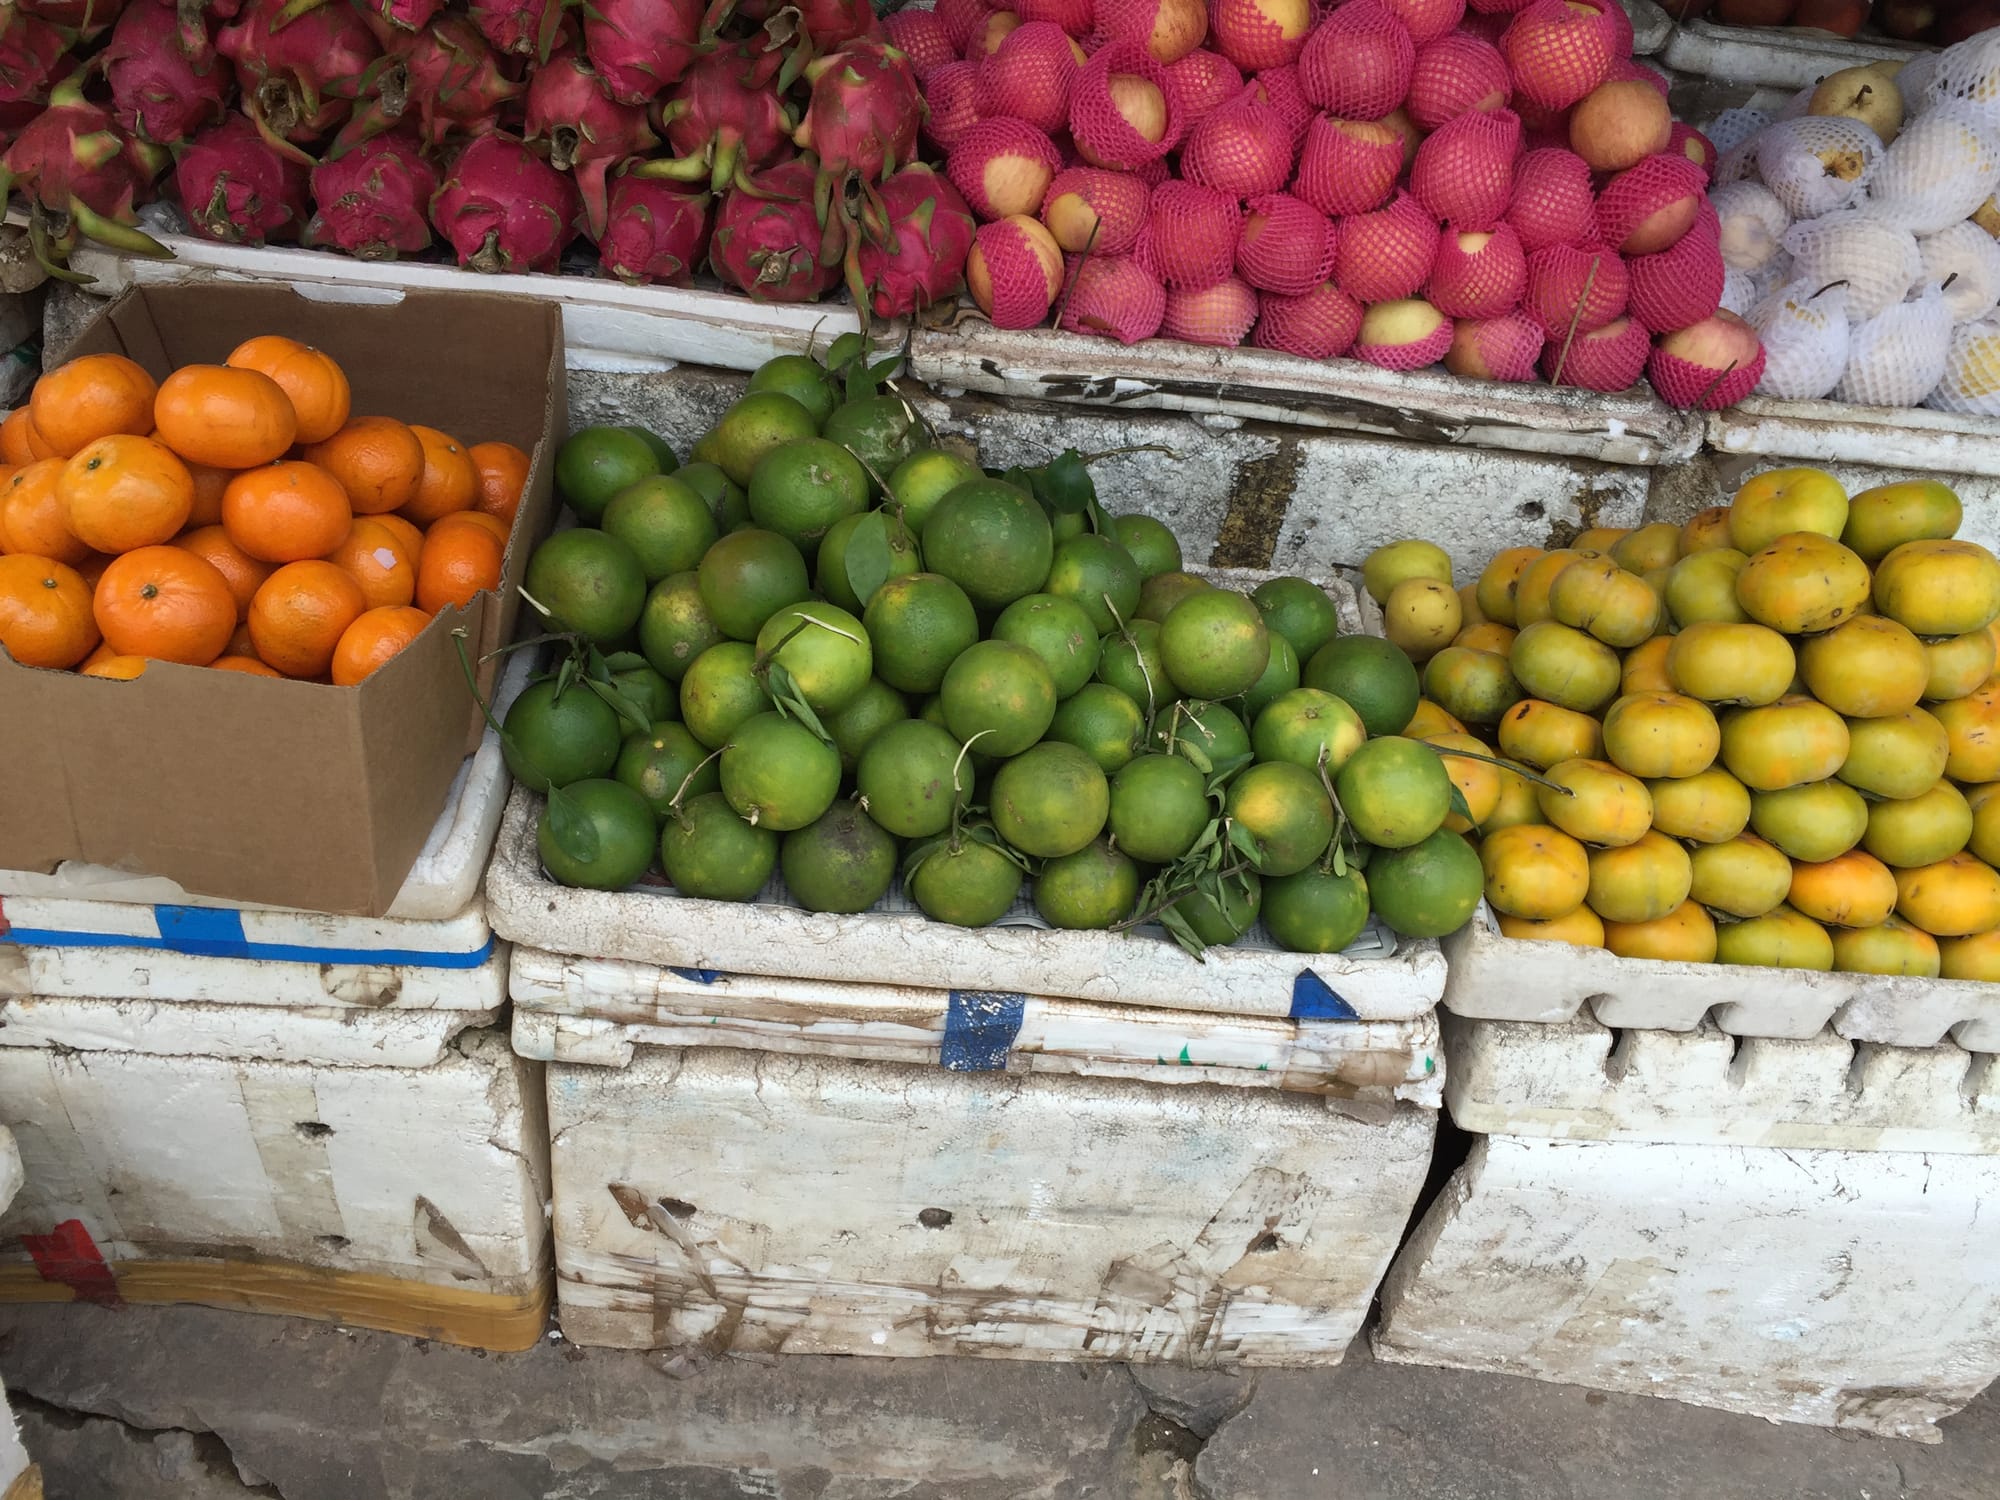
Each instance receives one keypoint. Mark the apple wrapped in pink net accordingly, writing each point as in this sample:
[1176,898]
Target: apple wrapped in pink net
[1258,34]
[1014,272]
[1190,236]
[1348,166]
[1203,81]
[1123,109]
[1584,285]
[951,96]
[1464,170]
[1427,20]
[1478,274]
[1112,296]
[1003,167]
[1286,246]
[1386,255]
[1243,149]
[1559,50]
[1503,348]
[1680,285]
[1707,365]
[1319,323]
[1220,314]
[1646,207]
[1356,65]
[1095,210]
[1455,74]
[1607,358]
[1029,77]
[1552,203]
[1406,334]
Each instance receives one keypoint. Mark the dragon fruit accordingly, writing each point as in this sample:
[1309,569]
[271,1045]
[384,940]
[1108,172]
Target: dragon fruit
[864,112]
[913,244]
[237,188]
[767,237]
[641,47]
[81,177]
[299,78]
[158,92]
[504,209]
[30,52]
[526,28]
[724,119]
[834,23]
[86,16]
[655,231]
[448,72]
[409,15]
[374,200]
[569,108]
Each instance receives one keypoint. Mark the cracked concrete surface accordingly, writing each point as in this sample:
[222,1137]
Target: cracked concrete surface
[196,1404]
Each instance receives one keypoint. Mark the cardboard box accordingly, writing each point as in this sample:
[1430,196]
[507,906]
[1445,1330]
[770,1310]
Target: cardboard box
[289,793]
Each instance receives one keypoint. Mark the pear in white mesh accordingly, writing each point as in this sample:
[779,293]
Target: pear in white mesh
[1734,126]
[1740,292]
[1965,261]
[1967,72]
[1942,167]
[1817,163]
[1898,356]
[1971,384]
[1878,261]
[1737,164]
[1913,82]
[1798,104]
[1804,328]
[1753,224]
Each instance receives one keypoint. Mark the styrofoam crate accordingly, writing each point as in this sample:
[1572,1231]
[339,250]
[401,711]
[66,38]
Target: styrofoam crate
[597,1011]
[1779,56]
[409,1198]
[1839,1288]
[1580,1080]
[442,888]
[1497,978]
[1835,432]
[716,1201]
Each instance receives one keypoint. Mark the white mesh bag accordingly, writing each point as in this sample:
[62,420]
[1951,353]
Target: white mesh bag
[1971,384]
[1804,328]
[1965,261]
[1733,127]
[1817,163]
[1753,224]
[1739,292]
[1898,356]
[1967,72]
[1914,80]
[1797,105]
[1878,261]
[1938,170]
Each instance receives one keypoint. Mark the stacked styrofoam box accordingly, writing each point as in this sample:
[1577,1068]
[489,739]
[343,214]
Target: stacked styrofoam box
[14,1461]
[276,1109]
[1790,1228]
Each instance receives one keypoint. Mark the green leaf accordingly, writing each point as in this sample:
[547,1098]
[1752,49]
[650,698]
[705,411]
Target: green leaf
[1226,769]
[844,351]
[623,706]
[566,675]
[1100,519]
[1196,757]
[789,701]
[625,661]
[883,369]
[1339,858]
[1071,489]
[1244,842]
[869,557]
[573,832]
[987,834]
[1460,806]
[1182,932]
[921,852]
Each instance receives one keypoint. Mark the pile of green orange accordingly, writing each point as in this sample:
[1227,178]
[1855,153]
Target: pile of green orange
[829,649]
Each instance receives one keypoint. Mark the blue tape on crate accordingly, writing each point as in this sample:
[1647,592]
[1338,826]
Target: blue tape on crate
[214,932]
[697,976]
[1313,999]
[979,1029]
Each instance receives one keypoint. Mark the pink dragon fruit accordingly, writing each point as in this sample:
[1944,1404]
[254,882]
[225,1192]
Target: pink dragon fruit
[641,47]
[409,15]
[31,50]
[504,209]
[569,108]
[374,200]
[81,177]
[159,93]
[863,114]
[656,231]
[834,23]
[298,77]
[767,236]
[525,28]
[912,248]
[448,72]
[237,188]
[724,119]
[86,16]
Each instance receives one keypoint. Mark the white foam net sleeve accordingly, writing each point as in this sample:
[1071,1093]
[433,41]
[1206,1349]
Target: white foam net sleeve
[1879,262]
[1943,166]
[1967,72]
[1753,224]
[1817,163]
[1805,332]
[1739,292]
[1897,357]
[1965,261]
[1971,383]
[1733,127]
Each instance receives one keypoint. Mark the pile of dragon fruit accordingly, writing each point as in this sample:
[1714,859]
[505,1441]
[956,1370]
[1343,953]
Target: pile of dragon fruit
[1502,188]
[778,140]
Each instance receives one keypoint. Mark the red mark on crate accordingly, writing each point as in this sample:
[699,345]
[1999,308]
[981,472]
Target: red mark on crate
[4,928]
[68,1254]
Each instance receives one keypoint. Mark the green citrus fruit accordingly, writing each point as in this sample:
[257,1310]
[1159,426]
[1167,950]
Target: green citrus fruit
[1057,630]
[1285,809]
[1428,889]
[675,626]
[1299,610]
[968,886]
[720,691]
[1211,731]
[665,523]
[711,853]
[595,463]
[1159,806]
[867,714]
[1219,923]
[1305,726]
[1160,593]
[926,477]
[1394,791]
[1099,575]
[905,778]
[1375,678]
[725,497]
[597,834]
[747,577]
[1089,889]
[1281,675]
[1152,546]
[1100,721]
[588,582]
[1131,662]
[843,861]
[778,773]
[824,649]
[553,741]
[919,623]
[1316,911]
[1050,800]
[1215,645]
[992,539]
[752,427]
[1396,562]
[881,431]
[658,763]
[662,449]
[649,692]
[835,576]
[800,488]
[799,376]
[1001,693]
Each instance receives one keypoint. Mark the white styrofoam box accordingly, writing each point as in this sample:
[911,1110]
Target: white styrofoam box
[593,1010]
[1427,406]
[1839,1288]
[1782,56]
[160,974]
[10,1168]
[68,925]
[1580,1080]
[13,1457]
[1833,432]
[713,1201]
[442,887]
[431,1174]
[1497,978]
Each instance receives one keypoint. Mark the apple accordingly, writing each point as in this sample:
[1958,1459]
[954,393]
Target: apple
[1398,120]
[1006,254]
[1619,124]
[1861,94]
[1663,227]
[1494,348]
[996,29]
[1179,26]
[1140,102]
[1837,17]
[1403,335]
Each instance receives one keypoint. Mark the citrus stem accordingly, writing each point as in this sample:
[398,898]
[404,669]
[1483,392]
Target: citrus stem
[963,751]
[472,683]
[674,802]
[1173,895]
[1504,765]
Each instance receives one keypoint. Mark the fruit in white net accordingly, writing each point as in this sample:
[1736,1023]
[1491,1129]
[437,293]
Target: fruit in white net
[1804,328]
[1898,357]
[1941,168]
[1733,127]
[1971,383]
[1753,224]
[1878,261]
[1817,163]
[1965,261]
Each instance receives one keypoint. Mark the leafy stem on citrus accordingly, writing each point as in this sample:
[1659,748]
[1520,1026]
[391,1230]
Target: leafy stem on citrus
[1335,860]
[458,638]
[963,751]
[1138,656]
[1505,765]
[674,802]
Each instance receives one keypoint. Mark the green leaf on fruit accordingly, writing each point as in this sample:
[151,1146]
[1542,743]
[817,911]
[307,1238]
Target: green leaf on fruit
[869,557]
[575,834]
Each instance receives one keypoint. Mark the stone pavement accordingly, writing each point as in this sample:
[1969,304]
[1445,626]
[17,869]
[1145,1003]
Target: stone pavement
[195,1404]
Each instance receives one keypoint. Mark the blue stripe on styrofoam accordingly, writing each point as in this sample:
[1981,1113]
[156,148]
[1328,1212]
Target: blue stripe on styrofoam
[409,958]
[979,1028]
[1313,999]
